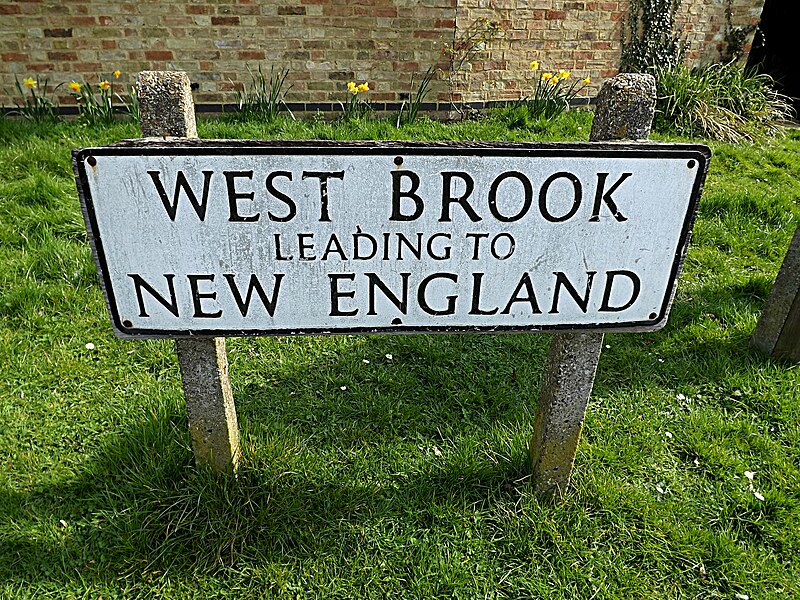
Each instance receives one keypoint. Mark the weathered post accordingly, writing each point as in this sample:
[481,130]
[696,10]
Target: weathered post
[624,111]
[167,110]
[778,331]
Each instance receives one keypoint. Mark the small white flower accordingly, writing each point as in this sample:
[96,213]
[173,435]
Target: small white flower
[659,489]
[660,360]
[758,496]
[680,397]
[749,475]
[436,451]
[90,346]
[389,356]
[742,597]
[608,345]
[696,462]
[668,434]
[343,388]
[365,361]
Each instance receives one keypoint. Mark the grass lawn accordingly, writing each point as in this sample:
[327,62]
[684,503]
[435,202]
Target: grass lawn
[414,481]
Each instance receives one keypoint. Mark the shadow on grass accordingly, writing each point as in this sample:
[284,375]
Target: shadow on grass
[388,433]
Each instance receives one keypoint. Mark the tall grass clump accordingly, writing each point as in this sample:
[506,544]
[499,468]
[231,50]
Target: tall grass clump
[265,99]
[720,101]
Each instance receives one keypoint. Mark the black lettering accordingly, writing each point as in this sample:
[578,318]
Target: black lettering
[336,294]
[525,284]
[637,286]
[303,246]
[603,196]
[477,243]
[281,196]
[448,198]
[423,302]
[323,177]
[398,195]
[401,303]
[446,248]
[562,281]
[402,240]
[511,246]
[475,309]
[357,237]
[278,255]
[198,297]
[138,284]
[254,285]
[526,204]
[576,199]
[333,246]
[234,196]
[182,184]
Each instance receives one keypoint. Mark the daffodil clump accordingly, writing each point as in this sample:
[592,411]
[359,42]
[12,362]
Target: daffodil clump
[33,102]
[355,107]
[552,92]
[96,102]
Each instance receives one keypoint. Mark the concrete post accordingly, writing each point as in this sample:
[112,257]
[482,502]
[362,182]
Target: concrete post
[778,331]
[167,110]
[625,110]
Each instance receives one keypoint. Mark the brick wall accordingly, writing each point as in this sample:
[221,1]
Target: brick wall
[326,43]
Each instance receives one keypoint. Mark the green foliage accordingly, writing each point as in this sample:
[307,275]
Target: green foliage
[735,36]
[466,44]
[552,94]
[131,104]
[650,40]
[355,107]
[265,99]
[409,111]
[721,101]
[95,106]
[34,104]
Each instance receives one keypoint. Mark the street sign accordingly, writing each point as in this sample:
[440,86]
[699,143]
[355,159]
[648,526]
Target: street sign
[227,238]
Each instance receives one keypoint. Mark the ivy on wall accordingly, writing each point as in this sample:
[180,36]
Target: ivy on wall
[649,38]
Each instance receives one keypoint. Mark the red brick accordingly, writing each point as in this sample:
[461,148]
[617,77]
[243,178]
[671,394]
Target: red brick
[62,56]
[555,15]
[225,21]
[13,57]
[158,55]
[9,9]
[252,55]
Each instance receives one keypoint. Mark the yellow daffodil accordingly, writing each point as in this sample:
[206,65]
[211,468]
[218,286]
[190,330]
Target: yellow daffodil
[554,80]
[351,85]
[534,65]
[29,83]
[104,85]
[563,74]
[363,87]
[74,86]
[547,76]
[117,73]
[587,81]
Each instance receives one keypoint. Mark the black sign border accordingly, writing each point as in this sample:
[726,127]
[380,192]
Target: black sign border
[568,150]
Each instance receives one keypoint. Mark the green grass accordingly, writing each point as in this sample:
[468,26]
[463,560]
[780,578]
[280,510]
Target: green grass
[414,481]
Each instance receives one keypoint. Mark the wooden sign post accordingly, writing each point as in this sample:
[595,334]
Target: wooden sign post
[199,240]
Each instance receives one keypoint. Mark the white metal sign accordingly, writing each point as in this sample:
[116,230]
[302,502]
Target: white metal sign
[246,238]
